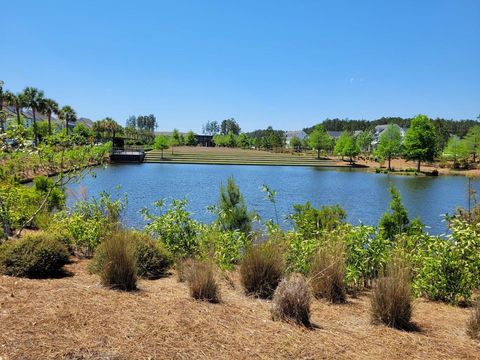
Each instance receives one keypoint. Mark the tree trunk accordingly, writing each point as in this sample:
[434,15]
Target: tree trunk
[49,124]
[318,153]
[389,160]
[66,125]
[418,166]
[7,231]
[18,114]
[35,136]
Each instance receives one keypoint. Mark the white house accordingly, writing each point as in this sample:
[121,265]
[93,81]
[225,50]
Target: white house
[291,134]
[379,129]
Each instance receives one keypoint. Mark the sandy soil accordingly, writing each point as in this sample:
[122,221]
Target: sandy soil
[75,318]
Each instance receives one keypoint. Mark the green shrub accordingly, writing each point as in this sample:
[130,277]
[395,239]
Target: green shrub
[151,257]
[36,255]
[327,273]
[119,270]
[473,323]
[291,301]
[391,301]
[447,269]
[310,222]
[299,252]
[225,247]
[202,283]
[262,269]
[175,228]
[89,222]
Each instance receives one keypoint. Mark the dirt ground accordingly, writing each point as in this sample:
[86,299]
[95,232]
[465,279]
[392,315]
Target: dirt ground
[75,318]
[401,164]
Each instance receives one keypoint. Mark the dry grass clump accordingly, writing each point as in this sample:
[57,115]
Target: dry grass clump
[183,268]
[291,301]
[202,282]
[391,301]
[473,323]
[262,269]
[119,268]
[327,274]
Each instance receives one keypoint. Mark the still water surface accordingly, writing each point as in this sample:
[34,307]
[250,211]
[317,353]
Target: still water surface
[363,195]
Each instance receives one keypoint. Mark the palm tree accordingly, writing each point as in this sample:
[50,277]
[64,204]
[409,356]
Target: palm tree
[49,107]
[15,100]
[112,127]
[33,98]
[68,115]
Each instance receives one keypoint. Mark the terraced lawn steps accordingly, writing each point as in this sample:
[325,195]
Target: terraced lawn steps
[226,156]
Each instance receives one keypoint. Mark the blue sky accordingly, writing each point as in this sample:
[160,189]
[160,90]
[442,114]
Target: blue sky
[288,64]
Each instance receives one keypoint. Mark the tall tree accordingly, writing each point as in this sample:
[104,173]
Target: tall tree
[351,148]
[49,107]
[161,143]
[473,141]
[17,101]
[33,98]
[364,141]
[341,143]
[68,115]
[456,150]
[420,140]
[190,139]
[320,140]
[230,125]
[211,128]
[176,139]
[390,144]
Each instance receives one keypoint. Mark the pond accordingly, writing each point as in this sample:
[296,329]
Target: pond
[363,195]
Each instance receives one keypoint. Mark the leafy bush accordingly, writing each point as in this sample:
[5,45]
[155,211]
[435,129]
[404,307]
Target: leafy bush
[225,247]
[262,269]
[119,269]
[202,283]
[89,222]
[56,198]
[151,256]
[36,255]
[310,222]
[175,228]
[291,301]
[391,301]
[473,323]
[328,272]
[446,269]
[366,254]
[300,251]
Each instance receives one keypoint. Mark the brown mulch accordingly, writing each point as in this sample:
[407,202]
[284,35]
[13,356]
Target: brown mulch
[75,318]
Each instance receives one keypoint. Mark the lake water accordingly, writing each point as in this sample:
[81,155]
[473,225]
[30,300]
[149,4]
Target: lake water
[363,195]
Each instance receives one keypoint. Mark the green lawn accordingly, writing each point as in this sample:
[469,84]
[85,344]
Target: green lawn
[227,156]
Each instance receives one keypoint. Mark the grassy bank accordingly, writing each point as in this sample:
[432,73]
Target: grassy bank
[227,156]
[76,318]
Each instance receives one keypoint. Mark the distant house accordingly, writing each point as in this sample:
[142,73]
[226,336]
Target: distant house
[289,135]
[334,134]
[379,129]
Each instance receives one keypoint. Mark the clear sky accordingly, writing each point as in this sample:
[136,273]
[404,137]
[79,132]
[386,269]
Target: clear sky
[288,64]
